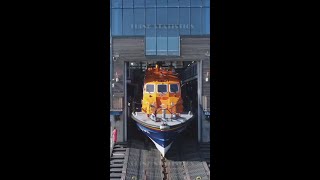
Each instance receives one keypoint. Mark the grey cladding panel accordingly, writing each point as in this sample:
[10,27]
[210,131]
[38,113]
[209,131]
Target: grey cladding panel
[132,49]
[195,46]
[129,49]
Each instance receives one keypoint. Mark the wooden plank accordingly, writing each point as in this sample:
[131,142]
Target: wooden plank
[116,170]
[116,161]
[116,165]
[117,157]
[115,175]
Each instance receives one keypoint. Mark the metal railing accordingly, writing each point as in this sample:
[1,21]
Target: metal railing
[111,141]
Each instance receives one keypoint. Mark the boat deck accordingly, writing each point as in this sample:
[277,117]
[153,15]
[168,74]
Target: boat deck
[141,116]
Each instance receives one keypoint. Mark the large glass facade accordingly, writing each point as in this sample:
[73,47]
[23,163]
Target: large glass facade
[161,22]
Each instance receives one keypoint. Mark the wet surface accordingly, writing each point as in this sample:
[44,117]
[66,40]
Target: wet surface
[139,158]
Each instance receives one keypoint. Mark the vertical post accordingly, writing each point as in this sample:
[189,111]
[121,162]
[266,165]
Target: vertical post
[112,124]
[111,70]
[199,67]
[201,102]
[125,102]
[199,107]
[164,113]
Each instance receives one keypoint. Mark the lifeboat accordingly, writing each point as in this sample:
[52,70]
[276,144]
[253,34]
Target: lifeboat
[162,116]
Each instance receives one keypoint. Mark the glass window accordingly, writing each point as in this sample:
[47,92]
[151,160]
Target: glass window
[174,46]
[162,3]
[174,88]
[184,21]
[150,31]
[195,21]
[161,16]
[173,3]
[173,20]
[205,20]
[162,44]
[116,3]
[150,88]
[162,88]
[196,3]
[127,3]
[151,46]
[116,22]
[139,3]
[184,3]
[139,22]
[150,17]
[173,32]
[206,3]
[128,23]
[151,3]
[151,41]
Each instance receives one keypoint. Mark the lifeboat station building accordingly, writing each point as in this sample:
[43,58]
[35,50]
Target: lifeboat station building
[173,32]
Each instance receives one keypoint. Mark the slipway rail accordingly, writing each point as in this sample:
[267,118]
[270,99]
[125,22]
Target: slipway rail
[140,160]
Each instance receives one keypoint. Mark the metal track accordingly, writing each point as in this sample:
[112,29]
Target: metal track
[143,162]
[139,159]
[174,165]
[193,163]
[186,160]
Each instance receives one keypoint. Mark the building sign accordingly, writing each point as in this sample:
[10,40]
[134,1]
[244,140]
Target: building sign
[162,26]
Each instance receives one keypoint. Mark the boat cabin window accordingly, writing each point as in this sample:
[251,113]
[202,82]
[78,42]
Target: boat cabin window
[174,88]
[150,88]
[162,88]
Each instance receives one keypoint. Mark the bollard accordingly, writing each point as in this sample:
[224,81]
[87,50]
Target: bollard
[163,113]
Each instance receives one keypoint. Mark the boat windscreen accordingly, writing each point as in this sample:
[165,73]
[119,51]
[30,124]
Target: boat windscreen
[174,88]
[150,88]
[162,88]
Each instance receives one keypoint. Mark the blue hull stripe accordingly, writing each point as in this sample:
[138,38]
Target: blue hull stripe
[163,138]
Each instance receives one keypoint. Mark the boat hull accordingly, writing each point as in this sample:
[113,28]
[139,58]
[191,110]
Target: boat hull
[163,139]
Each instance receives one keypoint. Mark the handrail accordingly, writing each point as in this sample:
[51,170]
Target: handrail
[111,145]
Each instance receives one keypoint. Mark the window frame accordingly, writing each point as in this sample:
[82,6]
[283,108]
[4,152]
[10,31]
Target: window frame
[154,88]
[162,92]
[174,84]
